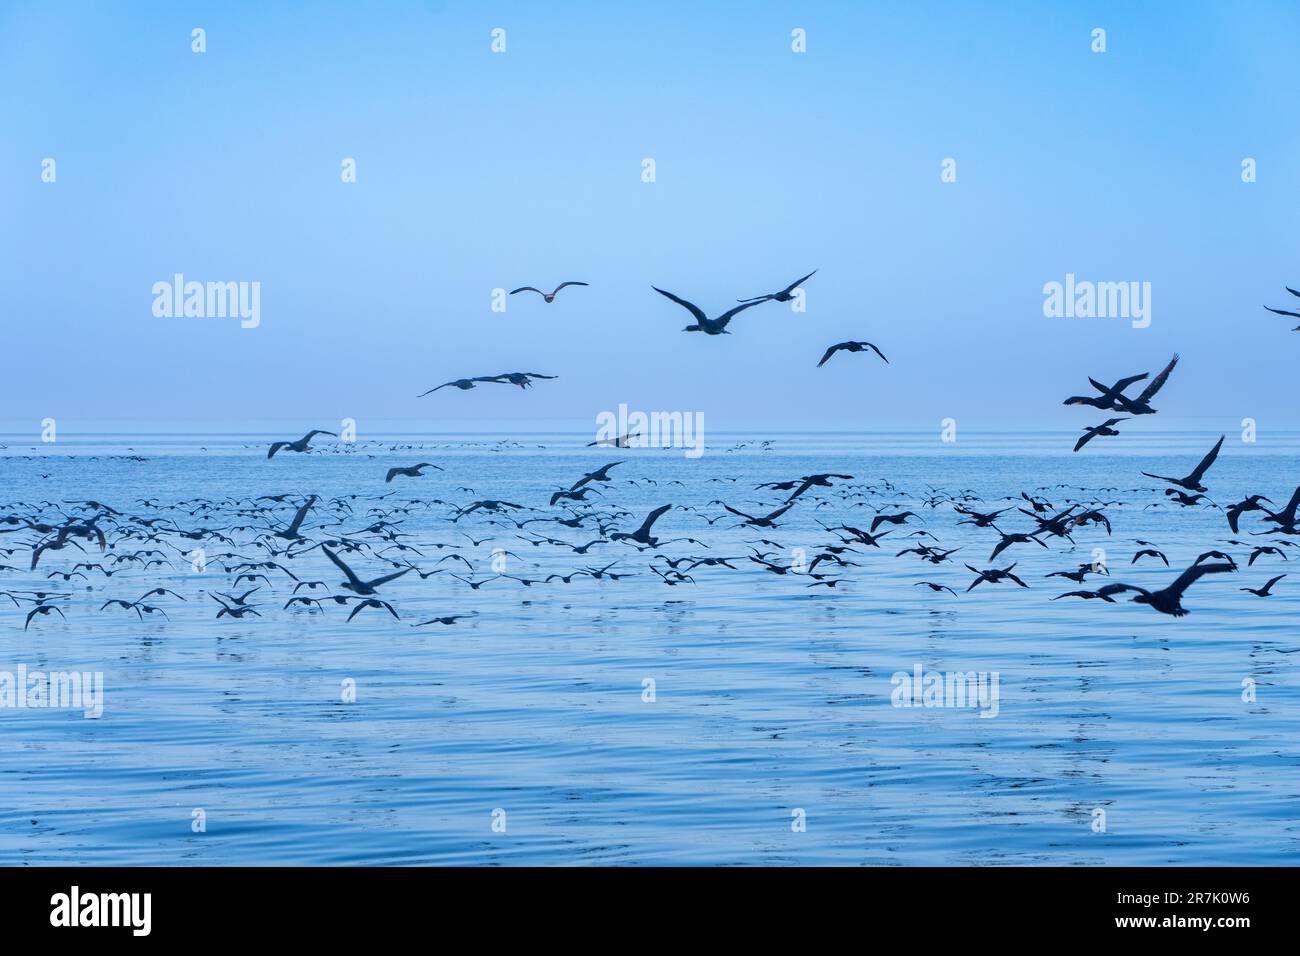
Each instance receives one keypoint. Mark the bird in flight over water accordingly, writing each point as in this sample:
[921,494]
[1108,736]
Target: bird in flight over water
[413,471]
[1105,428]
[1142,404]
[1266,590]
[1193,481]
[300,445]
[1169,600]
[354,583]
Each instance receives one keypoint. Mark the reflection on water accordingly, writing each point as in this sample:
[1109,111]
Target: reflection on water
[768,696]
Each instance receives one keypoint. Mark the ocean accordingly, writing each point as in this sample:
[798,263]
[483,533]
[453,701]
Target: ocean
[741,717]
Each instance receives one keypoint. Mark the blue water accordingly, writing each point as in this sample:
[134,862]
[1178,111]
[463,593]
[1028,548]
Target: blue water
[770,696]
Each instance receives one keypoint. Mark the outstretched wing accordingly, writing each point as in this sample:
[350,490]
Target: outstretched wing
[690,307]
[390,577]
[779,511]
[797,282]
[1109,589]
[528,288]
[652,518]
[1288,512]
[1206,462]
[564,284]
[1158,382]
[347,571]
[1193,574]
[302,513]
[1122,384]
[829,352]
[727,316]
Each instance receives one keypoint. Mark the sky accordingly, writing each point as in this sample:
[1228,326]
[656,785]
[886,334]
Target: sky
[478,170]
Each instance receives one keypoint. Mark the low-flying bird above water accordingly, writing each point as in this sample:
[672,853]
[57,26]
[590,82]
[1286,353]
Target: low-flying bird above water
[1249,503]
[411,471]
[291,533]
[300,445]
[622,441]
[994,576]
[1169,600]
[1267,589]
[768,521]
[1193,481]
[354,583]
[642,534]
[1105,428]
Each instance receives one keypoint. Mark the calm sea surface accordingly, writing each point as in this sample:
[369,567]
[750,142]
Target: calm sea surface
[771,699]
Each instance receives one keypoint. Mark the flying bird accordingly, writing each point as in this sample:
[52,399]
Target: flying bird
[1150,553]
[413,471]
[1142,404]
[1169,600]
[765,522]
[1266,590]
[375,603]
[300,445]
[354,583]
[547,297]
[464,384]
[993,576]
[1249,503]
[1103,429]
[703,323]
[642,534]
[622,441]
[1106,400]
[1193,481]
[522,379]
[785,295]
[851,347]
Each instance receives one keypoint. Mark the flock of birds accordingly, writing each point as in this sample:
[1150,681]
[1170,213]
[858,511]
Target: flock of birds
[280,542]
[702,323]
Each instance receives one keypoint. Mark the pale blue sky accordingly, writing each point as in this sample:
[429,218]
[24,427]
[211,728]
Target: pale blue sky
[479,171]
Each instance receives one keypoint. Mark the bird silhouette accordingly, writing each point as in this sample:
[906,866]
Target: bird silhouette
[547,297]
[851,347]
[703,323]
